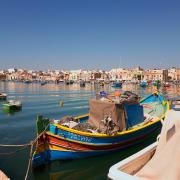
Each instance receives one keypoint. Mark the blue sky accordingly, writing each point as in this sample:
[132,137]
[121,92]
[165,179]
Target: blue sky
[89,34]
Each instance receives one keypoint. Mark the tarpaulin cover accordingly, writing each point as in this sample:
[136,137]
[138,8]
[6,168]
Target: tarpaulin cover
[99,110]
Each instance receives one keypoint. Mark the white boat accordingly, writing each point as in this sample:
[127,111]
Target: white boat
[160,160]
[3,96]
[12,105]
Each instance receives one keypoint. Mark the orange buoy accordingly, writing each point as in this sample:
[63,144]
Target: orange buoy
[117,93]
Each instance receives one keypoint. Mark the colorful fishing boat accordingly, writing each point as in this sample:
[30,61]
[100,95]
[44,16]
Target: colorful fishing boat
[158,160]
[3,96]
[12,105]
[113,123]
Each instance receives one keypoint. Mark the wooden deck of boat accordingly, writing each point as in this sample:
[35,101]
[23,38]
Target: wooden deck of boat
[154,109]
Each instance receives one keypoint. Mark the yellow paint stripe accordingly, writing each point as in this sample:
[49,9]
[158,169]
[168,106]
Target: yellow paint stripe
[42,148]
[54,147]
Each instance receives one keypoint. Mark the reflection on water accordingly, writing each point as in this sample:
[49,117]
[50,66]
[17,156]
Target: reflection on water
[11,112]
[19,128]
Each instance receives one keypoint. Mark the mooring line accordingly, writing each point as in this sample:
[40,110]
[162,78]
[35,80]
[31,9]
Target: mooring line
[31,144]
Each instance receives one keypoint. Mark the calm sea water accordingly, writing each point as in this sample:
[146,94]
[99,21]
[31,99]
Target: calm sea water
[19,128]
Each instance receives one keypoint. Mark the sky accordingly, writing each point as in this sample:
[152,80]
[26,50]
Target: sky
[89,34]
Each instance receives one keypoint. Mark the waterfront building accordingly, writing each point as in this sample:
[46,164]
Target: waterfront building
[122,74]
[75,75]
[126,74]
[119,73]
[156,74]
[174,74]
[2,76]
[137,74]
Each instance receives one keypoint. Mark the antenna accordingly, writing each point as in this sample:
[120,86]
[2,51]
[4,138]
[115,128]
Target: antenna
[120,61]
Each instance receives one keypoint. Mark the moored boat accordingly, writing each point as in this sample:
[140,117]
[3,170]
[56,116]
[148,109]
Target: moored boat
[43,83]
[27,81]
[143,83]
[117,84]
[156,83]
[82,83]
[101,83]
[166,84]
[158,160]
[113,123]
[12,105]
[3,96]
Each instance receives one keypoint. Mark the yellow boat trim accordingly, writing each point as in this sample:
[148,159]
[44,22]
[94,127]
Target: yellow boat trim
[42,148]
[119,133]
[54,147]
[81,116]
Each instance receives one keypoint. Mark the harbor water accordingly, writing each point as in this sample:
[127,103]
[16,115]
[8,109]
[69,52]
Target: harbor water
[19,128]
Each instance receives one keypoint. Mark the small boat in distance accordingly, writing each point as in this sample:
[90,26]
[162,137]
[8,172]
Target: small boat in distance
[143,83]
[156,83]
[43,83]
[3,96]
[82,83]
[158,160]
[166,84]
[115,121]
[12,105]
[117,84]
[27,81]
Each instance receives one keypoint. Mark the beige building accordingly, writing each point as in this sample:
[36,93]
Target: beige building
[156,74]
[126,74]
[174,74]
[120,73]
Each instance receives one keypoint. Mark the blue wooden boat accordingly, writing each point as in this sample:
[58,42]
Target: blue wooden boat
[126,124]
[143,83]
[117,84]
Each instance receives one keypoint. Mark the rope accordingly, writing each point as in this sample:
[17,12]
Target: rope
[14,145]
[11,153]
[24,146]
[29,163]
